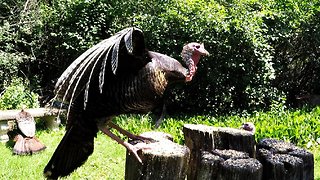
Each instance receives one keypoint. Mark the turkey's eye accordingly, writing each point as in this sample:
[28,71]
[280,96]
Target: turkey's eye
[197,46]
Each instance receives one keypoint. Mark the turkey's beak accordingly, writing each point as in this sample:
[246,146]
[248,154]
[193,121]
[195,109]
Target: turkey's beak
[203,51]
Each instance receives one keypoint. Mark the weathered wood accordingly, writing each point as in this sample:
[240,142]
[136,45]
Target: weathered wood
[283,160]
[228,164]
[4,128]
[207,138]
[236,139]
[240,169]
[308,162]
[209,166]
[280,166]
[197,138]
[230,154]
[163,159]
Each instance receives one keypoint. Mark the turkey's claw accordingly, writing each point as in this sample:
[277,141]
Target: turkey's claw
[135,148]
[129,135]
[131,148]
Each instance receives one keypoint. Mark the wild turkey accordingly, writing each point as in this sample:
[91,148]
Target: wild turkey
[116,76]
[24,135]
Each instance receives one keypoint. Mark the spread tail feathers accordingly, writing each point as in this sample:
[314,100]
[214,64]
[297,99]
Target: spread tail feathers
[73,150]
[27,145]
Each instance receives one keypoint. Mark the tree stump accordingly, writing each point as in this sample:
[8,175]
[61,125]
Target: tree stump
[197,138]
[209,166]
[228,164]
[163,160]
[239,169]
[236,139]
[283,160]
[230,154]
[207,138]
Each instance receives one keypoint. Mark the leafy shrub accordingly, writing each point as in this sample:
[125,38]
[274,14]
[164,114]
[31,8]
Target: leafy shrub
[9,65]
[255,46]
[20,37]
[297,61]
[17,95]
[239,72]
[236,42]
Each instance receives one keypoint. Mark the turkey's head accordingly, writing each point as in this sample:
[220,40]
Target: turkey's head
[191,54]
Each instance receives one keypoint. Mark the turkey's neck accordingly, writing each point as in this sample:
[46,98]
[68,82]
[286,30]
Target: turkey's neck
[191,59]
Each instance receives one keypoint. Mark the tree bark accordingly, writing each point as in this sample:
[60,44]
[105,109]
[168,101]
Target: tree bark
[283,160]
[236,139]
[163,159]
[228,164]
[209,166]
[239,169]
[207,138]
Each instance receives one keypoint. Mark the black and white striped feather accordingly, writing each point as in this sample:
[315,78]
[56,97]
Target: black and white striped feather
[77,77]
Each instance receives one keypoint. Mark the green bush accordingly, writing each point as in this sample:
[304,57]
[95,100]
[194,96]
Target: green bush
[20,37]
[255,46]
[238,73]
[9,65]
[17,95]
[298,56]
[236,43]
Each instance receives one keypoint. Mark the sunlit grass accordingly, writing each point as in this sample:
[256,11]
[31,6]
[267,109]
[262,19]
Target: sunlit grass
[107,161]
[316,153]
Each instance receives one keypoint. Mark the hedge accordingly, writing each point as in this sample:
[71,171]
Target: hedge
[257,47]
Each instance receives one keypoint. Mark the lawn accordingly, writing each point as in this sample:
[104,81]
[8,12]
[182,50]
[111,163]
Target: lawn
[316,153]
[108,159]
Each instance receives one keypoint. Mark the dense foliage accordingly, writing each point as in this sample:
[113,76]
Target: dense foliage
[261,51]
[17,95]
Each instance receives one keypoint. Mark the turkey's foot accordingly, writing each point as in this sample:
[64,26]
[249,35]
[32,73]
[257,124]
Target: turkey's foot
[130,135]
[135,148]
[131,148]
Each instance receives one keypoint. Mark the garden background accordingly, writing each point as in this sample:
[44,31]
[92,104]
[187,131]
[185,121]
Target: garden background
[264,65]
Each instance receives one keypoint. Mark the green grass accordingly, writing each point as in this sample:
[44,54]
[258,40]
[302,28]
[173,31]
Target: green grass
[108,160]
[316,153]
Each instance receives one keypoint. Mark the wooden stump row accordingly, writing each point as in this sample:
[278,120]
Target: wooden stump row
[228,164]
[220,154]
[225,143]
[283,160]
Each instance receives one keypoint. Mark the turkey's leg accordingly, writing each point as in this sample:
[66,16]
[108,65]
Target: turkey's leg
[128,134]
[130,147]
[163,113]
